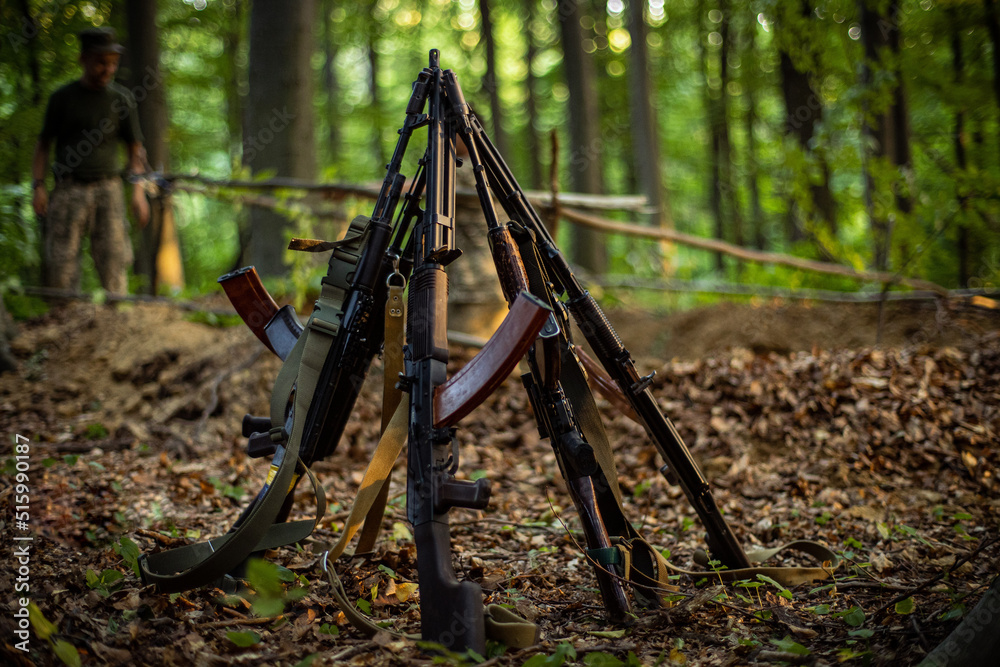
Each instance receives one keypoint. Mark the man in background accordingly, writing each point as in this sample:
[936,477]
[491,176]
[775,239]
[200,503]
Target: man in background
[87,119]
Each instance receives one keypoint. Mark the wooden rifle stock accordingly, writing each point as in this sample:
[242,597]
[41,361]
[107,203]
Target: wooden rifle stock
[250,299]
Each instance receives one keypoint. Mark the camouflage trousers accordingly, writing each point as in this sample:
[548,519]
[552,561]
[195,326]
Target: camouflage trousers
[96,209]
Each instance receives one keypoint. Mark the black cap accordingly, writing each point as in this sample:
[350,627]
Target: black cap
[99,40]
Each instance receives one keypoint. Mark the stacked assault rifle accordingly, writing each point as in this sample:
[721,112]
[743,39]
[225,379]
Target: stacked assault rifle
[360,313]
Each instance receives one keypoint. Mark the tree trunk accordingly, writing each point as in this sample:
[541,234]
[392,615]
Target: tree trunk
[491,83]
[958,73]
[278,135]
[715,115]
[753,184]
[645,135]
[726,146]
[331,85]
[803,111]
[586,246]
[375,106]
[159,256]
[885,125]
[993,27]
[232,41]
[531,105]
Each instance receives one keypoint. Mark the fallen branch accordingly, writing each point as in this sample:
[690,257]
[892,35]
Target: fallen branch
[748,254]
[938,577]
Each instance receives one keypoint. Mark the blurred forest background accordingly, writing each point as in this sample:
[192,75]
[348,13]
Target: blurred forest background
[858,132]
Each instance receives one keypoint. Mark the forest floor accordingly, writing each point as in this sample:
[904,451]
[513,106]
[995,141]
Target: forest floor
[803,425]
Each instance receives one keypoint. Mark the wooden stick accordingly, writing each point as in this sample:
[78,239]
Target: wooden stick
[747,254]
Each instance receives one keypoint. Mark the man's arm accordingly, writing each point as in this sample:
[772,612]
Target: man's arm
[39,165]
[137,165]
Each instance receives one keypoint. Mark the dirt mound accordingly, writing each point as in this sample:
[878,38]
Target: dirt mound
[784,327]
[122,371]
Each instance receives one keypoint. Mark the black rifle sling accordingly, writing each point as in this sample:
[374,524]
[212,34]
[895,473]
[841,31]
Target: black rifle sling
[206,562]
[203,563]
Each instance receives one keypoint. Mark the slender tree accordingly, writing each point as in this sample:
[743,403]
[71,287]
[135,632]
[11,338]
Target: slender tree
[586,146]
[886,123]
[278,135]
[531,103]
[722,187]
[375,101]
[992,17]
[750,81]
[799,53]
[645,135]
[159,256]
[491,82]
[232,43]
[331,83]
[958,76]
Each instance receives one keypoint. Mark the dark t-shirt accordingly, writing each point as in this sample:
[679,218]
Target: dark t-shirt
[87,126]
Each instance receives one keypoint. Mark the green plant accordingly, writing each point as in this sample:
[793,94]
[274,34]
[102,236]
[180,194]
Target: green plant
[564,652]
[268,582]
[45,630]
[130,553]
[105,583]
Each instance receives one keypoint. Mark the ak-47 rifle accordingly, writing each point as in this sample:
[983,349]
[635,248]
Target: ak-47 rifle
[553,411]
[615,358]
[451,610]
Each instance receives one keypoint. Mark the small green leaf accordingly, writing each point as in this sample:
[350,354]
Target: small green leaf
[905,606]
[789,645]
[364,605]
[820,609]
[243,639]
[854,617]
[883,529]
[864,633]
[67,653]
[601,660]
[958,611]
[769,580]
[400,533]
[43,627]
[608,634]
[129,551]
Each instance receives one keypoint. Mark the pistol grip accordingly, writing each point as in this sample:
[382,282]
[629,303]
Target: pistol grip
[451,611]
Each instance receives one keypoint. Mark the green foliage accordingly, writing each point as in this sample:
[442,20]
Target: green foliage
[46,631]
[270,585]
[130,553]
[950,204]
[243,639]
[564,652]
[789,645]
[105,583]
